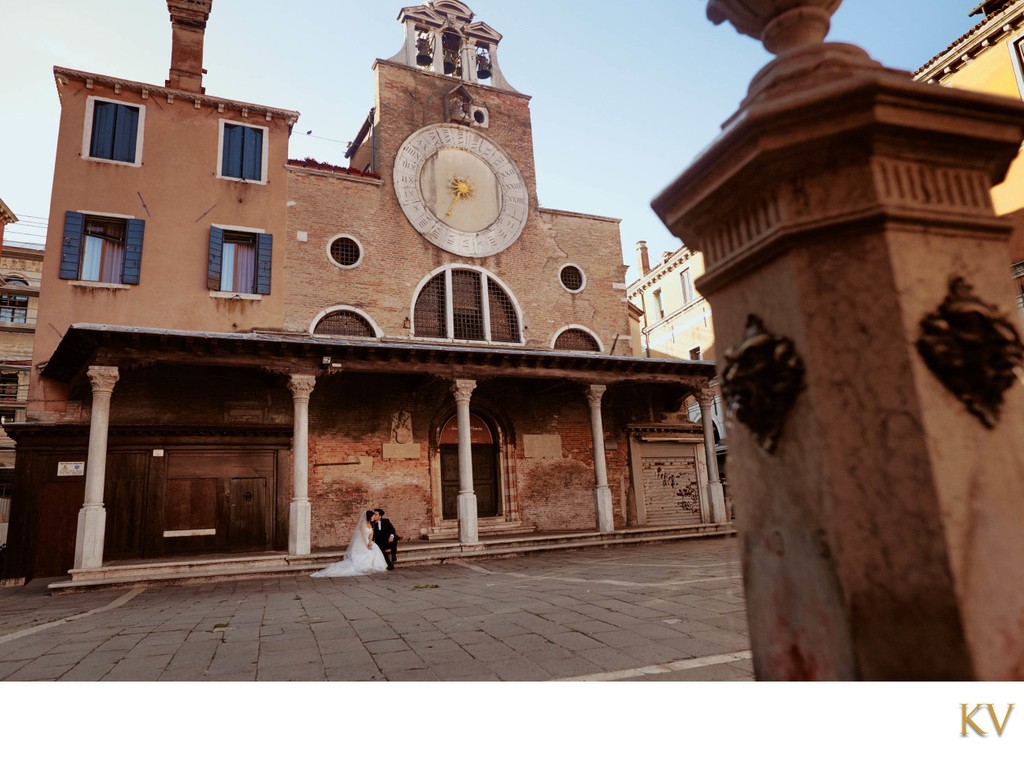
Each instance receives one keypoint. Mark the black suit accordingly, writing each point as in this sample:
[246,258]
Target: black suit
[382,529]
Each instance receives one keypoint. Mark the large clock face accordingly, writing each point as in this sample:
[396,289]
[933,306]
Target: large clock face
[460,191]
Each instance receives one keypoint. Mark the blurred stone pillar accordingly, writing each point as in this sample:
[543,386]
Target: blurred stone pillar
[856,267]
[463,389]
[604,514]
[716,496]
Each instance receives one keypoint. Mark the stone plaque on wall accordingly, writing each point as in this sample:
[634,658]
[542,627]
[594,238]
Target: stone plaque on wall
[401,450]
[542,446]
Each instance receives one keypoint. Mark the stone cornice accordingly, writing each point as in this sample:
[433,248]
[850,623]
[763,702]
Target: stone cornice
[652,277]
[6,214]
[982,36]
[63,76]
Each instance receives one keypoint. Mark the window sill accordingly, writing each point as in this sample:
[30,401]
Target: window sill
[226,295]
[115,162]
[98,285]
[243,181]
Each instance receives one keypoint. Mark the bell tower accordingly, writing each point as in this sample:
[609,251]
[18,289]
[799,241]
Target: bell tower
[441,37]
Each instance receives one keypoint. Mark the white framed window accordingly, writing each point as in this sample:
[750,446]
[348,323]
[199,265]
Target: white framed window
[659,304]
[466,303]
[344,321]
[240,260]
[572,278]
[345,251]
[686,283]
[242,152]
[113,131]
[576,337]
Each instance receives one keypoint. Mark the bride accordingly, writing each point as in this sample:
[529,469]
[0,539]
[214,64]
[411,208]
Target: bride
[362,557]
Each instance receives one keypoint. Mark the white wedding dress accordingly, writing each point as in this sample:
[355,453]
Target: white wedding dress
[358,559]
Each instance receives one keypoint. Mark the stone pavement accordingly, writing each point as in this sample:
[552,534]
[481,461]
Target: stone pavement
[669,611]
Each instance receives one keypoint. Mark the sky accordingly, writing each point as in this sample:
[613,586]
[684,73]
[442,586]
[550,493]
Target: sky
[624,95]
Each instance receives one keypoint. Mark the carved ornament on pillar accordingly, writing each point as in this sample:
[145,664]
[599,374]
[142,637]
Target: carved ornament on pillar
[301,385]
[706,398]
[595,393]
[972,349]
[463,390]
[103,378]
[762,378]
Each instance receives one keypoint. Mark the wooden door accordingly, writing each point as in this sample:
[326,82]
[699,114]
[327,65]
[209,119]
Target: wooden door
[58,527]
[485,481]
[244,514]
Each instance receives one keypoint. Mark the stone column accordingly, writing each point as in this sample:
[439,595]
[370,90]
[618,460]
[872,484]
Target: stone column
[463,390]
[92,519]
[602,493]
[716,496]
[299,518]
[858,278]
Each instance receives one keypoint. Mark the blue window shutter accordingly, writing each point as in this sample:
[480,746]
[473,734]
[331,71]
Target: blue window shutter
[71,249]
[104,116]
[264,256]
[231,160]
[126,131]
[134,233]
[216,255]
[252,167]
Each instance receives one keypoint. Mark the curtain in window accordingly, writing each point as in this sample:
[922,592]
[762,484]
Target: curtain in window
[238,265]
[103,251]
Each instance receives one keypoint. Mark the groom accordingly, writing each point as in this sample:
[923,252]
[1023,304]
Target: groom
[385,537]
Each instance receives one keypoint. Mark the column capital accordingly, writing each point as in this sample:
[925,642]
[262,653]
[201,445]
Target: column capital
[705,397]
[463,389]
[301,385]
[103,378]
[594,393]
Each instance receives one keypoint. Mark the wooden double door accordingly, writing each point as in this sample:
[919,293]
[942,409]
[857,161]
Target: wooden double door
[485,480]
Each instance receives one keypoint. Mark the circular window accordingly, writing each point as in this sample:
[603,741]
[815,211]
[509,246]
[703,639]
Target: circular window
[345,251]
[572,278]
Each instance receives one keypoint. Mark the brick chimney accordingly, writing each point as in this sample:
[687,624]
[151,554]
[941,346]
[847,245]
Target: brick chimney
[188,25]
[645,262]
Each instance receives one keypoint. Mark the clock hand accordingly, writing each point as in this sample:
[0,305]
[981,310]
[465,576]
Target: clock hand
[461,188]
[452,206]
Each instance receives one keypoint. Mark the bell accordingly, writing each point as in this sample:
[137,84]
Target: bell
[424,59]
[449,67]
[484,72]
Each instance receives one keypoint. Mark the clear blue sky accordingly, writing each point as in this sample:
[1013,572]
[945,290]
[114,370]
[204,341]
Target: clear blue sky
[624,94]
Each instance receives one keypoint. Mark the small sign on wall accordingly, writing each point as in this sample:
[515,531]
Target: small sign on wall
[70,468]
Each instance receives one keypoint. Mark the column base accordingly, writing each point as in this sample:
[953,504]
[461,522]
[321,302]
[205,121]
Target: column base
[603,506]
[92,523]
[716,494]
[467,518]
[299,527]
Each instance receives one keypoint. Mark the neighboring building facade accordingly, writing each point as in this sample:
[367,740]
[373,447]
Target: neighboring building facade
[19,290]
[990,58]
[671,319]
[245,366]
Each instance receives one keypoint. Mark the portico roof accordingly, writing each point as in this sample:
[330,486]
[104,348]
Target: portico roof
[288,352]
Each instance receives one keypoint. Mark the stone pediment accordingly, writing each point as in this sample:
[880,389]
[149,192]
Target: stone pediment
[421,14]
[484,32]
[459,11]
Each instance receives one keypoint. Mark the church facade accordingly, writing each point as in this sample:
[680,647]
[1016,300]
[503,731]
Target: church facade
[250,350]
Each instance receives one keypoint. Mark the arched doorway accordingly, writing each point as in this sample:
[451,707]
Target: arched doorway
[486,472]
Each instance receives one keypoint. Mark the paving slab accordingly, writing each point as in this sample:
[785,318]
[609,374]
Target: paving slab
[623,613]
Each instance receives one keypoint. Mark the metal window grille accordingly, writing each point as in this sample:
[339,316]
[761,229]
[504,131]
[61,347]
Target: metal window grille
[504,321]
[344,324]
[572,278]
[467,306]
[576,340]
[429,312]
[345,251]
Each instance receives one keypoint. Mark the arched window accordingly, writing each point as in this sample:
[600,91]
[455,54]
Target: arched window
[344,323]
[466,304]
[576,340]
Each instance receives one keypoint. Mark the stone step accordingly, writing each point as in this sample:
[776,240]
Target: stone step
[207,569]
